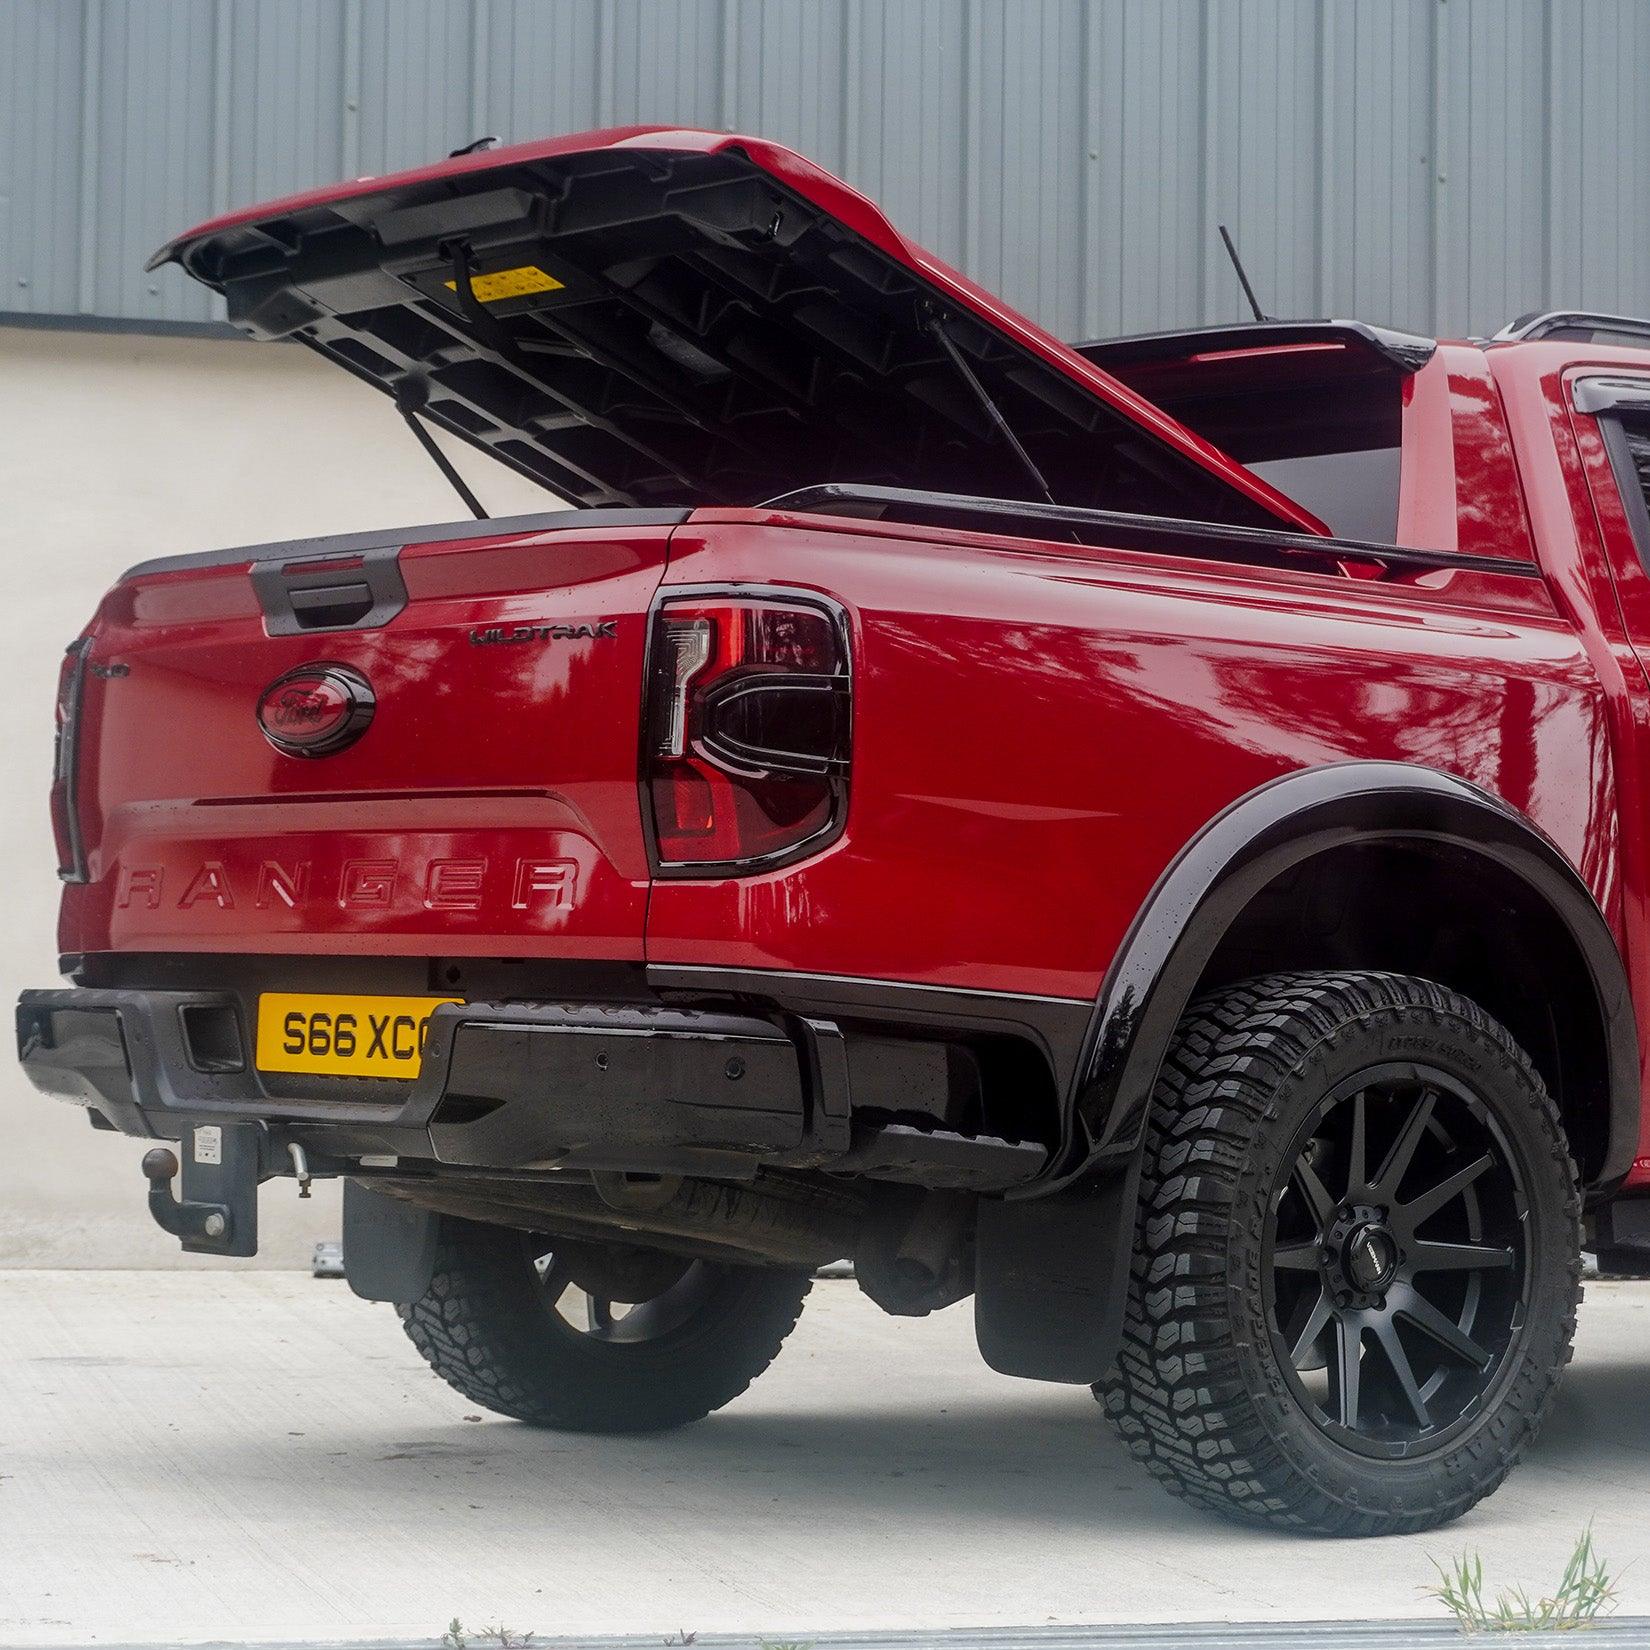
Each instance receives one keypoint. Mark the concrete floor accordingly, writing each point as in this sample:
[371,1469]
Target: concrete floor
[260,1456]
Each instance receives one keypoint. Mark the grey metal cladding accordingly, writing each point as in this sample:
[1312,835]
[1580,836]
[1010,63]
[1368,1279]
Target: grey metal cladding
[1441,165]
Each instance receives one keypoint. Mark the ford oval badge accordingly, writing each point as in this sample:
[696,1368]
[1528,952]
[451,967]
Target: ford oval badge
[316,709]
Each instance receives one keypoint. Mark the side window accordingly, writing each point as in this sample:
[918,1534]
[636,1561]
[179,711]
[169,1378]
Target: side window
[1627,440]
[1622,406]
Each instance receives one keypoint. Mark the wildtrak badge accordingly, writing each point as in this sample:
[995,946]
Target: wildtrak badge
[591,630]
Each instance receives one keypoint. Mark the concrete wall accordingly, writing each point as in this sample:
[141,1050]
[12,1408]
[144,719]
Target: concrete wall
[113,449]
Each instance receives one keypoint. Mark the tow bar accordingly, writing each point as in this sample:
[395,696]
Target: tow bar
[223,1166]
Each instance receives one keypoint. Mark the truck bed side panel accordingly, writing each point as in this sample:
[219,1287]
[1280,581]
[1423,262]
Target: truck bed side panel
[1040,728]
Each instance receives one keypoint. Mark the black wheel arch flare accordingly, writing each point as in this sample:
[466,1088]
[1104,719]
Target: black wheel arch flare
[1266,832]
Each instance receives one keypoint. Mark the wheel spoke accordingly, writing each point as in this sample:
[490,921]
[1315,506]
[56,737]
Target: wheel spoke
[1311,1329]
[554,1280]
[1426,1317]
[1296,1257]
[1429,1203]
[1458,1257]
[599,1314]
[1403,1148]
[1315,1192]
[1357,1168]
[1395,1257]
[1386,1332]
[1348,1346]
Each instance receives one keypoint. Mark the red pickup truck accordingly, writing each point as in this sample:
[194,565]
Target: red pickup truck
[1150,835]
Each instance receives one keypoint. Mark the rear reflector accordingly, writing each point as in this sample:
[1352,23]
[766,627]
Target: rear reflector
[748,733]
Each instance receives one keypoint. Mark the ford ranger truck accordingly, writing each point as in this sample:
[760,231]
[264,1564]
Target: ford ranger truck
[1151,836]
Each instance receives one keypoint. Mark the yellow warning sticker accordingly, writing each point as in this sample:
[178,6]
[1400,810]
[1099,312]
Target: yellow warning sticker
[511,283]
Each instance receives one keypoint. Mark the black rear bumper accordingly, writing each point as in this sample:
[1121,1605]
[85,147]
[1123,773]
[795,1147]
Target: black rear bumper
[513,1085]
[513,1093]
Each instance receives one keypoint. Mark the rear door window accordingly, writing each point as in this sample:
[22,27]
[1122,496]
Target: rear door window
[1622,407]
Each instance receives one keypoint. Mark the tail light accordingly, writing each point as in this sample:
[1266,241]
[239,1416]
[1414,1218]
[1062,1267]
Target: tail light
[71,681]
[747,744]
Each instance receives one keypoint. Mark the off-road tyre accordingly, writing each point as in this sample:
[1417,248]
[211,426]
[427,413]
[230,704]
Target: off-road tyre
[1198,1393]
[484,1327]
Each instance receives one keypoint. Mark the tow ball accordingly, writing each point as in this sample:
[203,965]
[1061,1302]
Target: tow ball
[216,1209]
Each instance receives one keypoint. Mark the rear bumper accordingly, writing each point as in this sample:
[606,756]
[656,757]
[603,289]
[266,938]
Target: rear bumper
[504,1085]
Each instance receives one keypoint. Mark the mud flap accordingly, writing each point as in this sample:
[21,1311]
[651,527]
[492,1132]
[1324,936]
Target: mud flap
[389,1246]
[1052,1276]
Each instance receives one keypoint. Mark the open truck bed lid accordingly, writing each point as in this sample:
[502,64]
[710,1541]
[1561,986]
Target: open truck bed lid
[646,316]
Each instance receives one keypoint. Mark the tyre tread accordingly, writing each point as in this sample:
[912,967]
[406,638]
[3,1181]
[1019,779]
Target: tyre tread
[1177,1395]
[480,1328]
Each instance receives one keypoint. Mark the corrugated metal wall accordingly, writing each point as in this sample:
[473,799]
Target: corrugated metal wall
[1437,164]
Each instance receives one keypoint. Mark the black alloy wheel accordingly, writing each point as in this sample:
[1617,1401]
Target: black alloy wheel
[1357,1256]
[1398,1269]
[634,1296]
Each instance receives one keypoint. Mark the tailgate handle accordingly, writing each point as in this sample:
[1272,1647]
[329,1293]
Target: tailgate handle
[360,590]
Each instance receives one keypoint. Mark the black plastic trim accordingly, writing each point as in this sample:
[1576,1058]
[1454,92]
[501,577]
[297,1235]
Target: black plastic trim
[1126,530]
[1611,394]
[641,1086]
[525,1086]
[290,591]
[1262,834]
[398,538]
[1056,1025]
[780,979]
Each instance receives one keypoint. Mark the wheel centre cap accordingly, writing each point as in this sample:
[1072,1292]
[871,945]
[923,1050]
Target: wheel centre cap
[1370,1256]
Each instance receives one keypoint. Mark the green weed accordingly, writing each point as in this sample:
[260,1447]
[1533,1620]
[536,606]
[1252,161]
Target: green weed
[1586,1593]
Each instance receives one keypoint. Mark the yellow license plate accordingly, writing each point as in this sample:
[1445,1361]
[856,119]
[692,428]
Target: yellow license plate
[331,1036]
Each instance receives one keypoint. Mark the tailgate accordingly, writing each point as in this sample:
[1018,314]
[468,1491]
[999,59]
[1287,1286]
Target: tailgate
[650,316]
[403,744]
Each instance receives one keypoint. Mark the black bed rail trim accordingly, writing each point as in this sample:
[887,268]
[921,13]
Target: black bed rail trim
[398,538]
[1127,530]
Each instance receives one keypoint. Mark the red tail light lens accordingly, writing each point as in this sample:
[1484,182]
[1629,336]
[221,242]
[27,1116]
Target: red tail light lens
[71,679]
[748,746]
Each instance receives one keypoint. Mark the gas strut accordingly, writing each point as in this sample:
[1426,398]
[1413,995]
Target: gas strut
[936,325]
[410,396]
